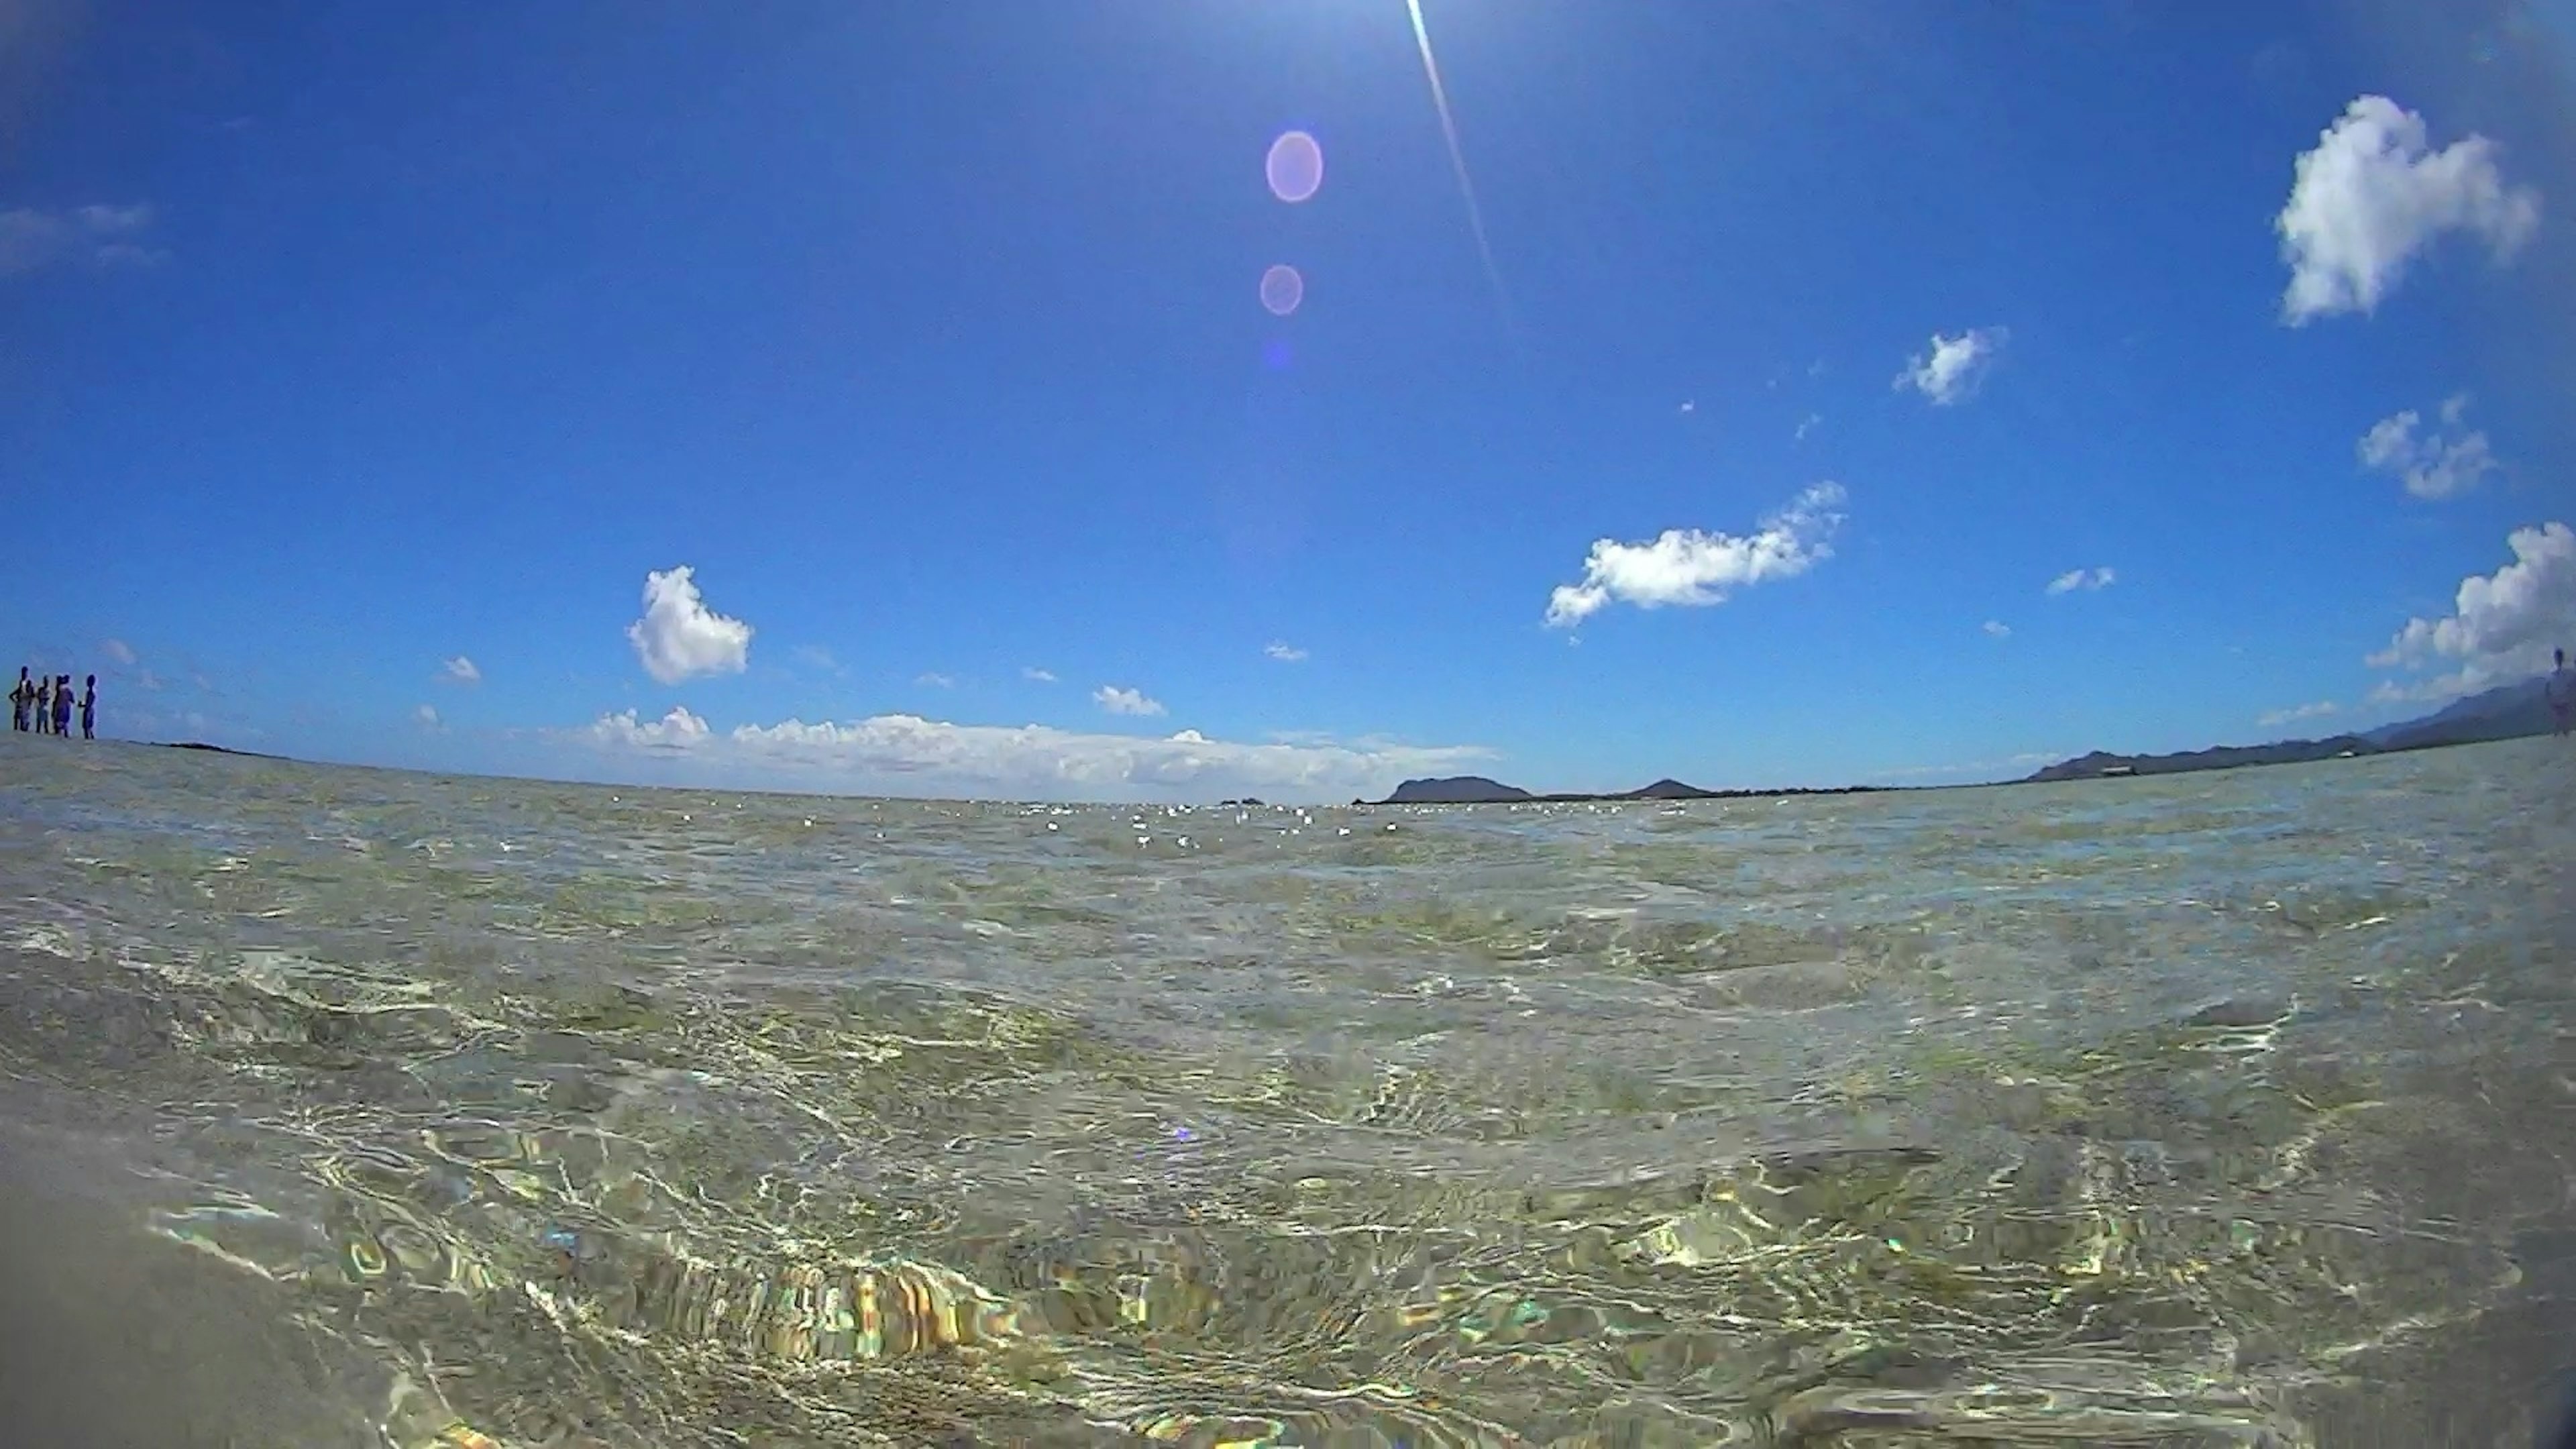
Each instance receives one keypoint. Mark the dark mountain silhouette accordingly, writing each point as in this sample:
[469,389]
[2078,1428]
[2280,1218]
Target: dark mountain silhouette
[2505,713]
[1477,790]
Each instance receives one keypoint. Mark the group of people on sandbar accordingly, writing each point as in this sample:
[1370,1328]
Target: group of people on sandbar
[47,704]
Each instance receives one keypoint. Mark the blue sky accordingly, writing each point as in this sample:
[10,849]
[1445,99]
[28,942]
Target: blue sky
[1807,347]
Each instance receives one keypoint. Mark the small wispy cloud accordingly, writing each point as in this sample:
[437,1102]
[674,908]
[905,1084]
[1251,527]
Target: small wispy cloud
[1955,367]
[679,637]
[1036,675]
[1125,701]
[118,650]
[936,680]
[1996,628]
[816,657]
[2082,579]
[459,670]
[98,235]
[1690,407]
[1692,569]
[427,718]
[2374,195]
[2440,462]
[1283,651]
[2319,709]
[1806,425]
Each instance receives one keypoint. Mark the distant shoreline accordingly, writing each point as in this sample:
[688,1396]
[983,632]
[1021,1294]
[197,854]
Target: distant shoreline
[2513,711]
[215,749]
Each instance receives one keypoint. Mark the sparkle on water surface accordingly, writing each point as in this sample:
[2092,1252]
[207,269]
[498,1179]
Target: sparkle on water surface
[2210,1110]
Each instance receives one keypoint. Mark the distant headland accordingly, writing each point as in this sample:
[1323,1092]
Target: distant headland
[2510,712]
[1477,790]
[213,749]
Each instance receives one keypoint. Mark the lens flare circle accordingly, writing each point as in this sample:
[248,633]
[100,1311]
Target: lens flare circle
[1295,167]
[1282,289]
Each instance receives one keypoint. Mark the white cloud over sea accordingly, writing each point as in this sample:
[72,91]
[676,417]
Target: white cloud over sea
[2373,196]
[1689,568]
[1955,367]
[2501,628]
[679,637]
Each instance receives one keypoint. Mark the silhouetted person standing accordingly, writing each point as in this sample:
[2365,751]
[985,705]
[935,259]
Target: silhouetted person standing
[89,709]
[45,705]
[2562,694]
[22,697]
[63,707]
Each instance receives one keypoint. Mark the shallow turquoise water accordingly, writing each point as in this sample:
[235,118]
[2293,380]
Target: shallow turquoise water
[2216,1109]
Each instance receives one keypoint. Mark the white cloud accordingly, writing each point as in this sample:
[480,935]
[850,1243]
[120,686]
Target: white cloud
[2316,710]
[937,681]
[2373,195]
[1955,367]
[1998,628]
[817,657]
[2074,579]
[460,670]
[1041,676]
[2436,464]
[679,637]
[1283,651]
[906,754]
[2502,625]
[1690,407]
[1125,701]
[1806,425]
[1688,567]
[679,730]
[32,238]
[428,718]
[118,650]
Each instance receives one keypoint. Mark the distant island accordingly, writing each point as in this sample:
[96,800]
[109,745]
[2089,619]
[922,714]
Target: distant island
[213,749]
[2510,712]
[1477,790]
[2507,713]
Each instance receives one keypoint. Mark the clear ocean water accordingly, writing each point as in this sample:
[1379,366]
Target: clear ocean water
[345,1107]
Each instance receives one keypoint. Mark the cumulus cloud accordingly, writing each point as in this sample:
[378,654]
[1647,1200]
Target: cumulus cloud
[1998,628]
[1283,651]
[100,235]
[2501,627]
[679,637]
[1955,367]
[1687,567]
[678,730]
[459,670]
[2437,463]
[2087,579]
[906,754]
[118,650]
[2317,710]
[2374,195]
[1125,701]
[1041,676]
